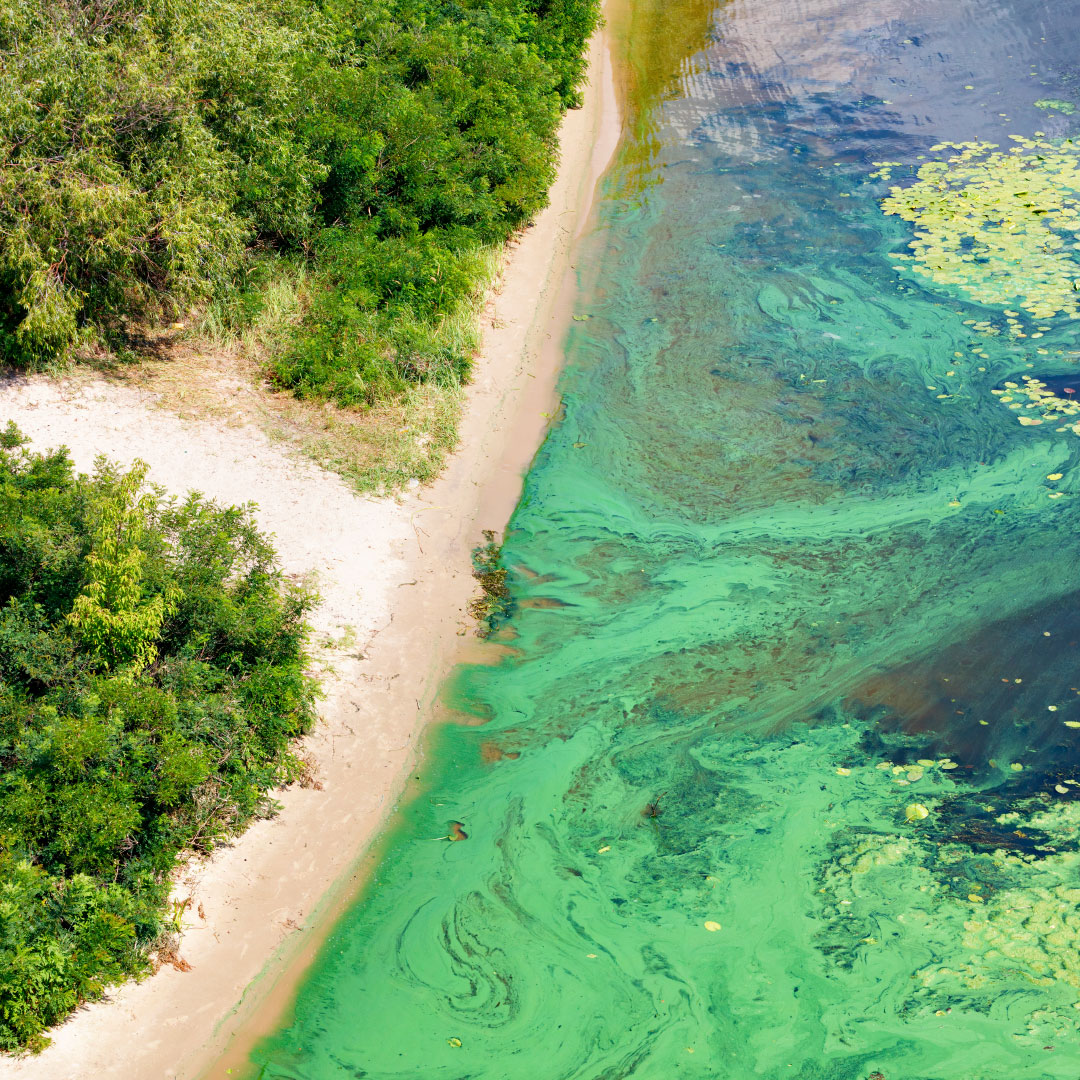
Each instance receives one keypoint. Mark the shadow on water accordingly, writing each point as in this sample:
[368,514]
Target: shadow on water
[1005,694]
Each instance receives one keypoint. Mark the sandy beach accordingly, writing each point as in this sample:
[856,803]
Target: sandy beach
[394,576]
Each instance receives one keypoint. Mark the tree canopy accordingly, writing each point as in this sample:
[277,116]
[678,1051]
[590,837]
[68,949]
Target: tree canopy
[153,150]
[151,679]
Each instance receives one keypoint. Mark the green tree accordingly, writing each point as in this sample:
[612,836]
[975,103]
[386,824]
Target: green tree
[113,616]
[152,677]
[156,153]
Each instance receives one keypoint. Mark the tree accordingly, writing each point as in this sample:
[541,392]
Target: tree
[113,617]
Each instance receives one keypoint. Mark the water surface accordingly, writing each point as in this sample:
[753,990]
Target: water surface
[788,575]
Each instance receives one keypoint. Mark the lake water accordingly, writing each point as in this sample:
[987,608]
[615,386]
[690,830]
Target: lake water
[776,777]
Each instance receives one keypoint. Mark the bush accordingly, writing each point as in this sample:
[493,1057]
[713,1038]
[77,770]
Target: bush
[151,148]
[151,679]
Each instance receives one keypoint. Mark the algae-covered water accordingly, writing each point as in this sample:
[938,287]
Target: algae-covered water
[779,775]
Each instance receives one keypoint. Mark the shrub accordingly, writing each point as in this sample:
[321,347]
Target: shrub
[152,148]
[151,679]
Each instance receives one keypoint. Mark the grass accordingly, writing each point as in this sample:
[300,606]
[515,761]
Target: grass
[380,449]
[213,365]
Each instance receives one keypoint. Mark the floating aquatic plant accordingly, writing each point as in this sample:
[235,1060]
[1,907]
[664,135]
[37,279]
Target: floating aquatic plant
[990,922]
[1000,225]
[1066,107]
[1049,408]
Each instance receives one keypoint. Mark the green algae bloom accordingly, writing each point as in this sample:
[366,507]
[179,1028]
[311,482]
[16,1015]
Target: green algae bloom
[999,225]
[1066,107]
[740,786]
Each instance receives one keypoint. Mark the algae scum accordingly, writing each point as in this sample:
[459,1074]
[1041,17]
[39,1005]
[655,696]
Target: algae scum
[781,776]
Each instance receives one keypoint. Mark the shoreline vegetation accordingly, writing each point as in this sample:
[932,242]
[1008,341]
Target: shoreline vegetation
[153,676]
[324,186]
[385,292]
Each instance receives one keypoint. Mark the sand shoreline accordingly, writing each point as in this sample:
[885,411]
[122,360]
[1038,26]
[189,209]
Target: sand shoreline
[395,581]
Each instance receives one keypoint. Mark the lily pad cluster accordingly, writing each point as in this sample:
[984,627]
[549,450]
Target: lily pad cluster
[1036,405]
[972,925]
[1057,105]
[1031,923]
[1002,226]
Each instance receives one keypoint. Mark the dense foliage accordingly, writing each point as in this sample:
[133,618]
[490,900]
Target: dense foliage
[151,677]
[151,148]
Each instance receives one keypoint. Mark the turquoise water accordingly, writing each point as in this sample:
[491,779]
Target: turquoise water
[776,778]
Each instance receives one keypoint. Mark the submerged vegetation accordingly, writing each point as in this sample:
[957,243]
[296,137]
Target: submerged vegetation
[152,675]
[162,157]
[494,603]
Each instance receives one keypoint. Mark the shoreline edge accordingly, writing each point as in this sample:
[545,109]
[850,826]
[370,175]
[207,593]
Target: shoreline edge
[274,894]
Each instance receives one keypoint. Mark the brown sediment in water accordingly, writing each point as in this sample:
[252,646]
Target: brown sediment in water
[490,752]
[643,76]
[969,697]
